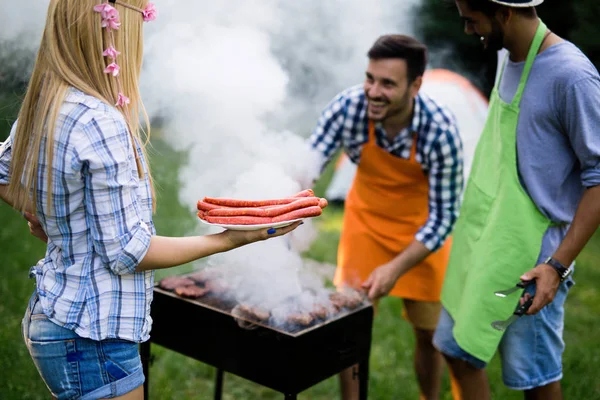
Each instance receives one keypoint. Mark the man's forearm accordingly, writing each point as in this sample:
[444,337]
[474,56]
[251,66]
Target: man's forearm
[414,253]
[585,223]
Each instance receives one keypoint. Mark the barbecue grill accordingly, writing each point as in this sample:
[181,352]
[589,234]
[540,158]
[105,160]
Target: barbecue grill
[288,359]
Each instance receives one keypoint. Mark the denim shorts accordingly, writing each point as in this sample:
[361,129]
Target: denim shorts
[530,350]
[73,367]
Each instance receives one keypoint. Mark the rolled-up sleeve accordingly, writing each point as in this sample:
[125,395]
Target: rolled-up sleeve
[119,234]
[6,157]
[445,188]
[582,121]
[327,136]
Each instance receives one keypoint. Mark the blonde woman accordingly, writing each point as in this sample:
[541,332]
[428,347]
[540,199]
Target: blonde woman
[76,160]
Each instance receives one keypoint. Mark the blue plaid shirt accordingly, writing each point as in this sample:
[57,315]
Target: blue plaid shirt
[99,227]
[344,122]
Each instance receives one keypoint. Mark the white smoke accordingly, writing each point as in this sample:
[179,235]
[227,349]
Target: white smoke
[23,21]
[240,85]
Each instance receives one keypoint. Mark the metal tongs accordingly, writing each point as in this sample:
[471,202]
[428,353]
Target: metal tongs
[519,311]
[518,286]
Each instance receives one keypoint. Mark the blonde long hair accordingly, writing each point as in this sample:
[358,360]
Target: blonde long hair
[70,54]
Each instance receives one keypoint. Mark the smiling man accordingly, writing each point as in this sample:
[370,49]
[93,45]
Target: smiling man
[532,200]
[405,196]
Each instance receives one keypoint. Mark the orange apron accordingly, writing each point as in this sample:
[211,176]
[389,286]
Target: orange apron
[384,209]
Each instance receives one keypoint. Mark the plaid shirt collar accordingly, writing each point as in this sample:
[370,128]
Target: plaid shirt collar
[402,135]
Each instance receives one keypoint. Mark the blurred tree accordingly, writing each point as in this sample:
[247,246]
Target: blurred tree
[437,24]
[587,31]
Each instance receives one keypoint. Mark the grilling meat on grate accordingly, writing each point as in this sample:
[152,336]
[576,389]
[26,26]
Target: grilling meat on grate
[319,312]
[191,292]
[255,313]
[173,282]
[300,319]
[347,299]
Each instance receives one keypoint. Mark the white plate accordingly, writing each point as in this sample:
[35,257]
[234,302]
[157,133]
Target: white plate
[253,227]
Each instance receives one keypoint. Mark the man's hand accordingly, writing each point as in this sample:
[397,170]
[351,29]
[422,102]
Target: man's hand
[35,228]
[382,280]
[546,286]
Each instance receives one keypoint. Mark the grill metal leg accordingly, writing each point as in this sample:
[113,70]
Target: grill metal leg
[363,379]
[219,384]
[145,356]
[291,396]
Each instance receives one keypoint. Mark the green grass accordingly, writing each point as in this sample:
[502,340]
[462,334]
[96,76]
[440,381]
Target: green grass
[173,376]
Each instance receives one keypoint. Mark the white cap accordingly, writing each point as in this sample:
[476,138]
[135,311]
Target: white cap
[518,3]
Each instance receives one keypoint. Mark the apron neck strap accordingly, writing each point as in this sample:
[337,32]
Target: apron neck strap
[373,139]
[371,131]
[533,51]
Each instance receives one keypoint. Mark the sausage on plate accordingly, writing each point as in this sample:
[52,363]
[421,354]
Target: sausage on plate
[305,193]
[307,212]
[239,220]
[227,202]
[204,206]
[296,205]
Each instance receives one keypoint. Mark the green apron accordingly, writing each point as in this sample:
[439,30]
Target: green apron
[498,235]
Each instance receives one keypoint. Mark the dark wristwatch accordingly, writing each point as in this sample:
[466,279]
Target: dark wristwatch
[562,271]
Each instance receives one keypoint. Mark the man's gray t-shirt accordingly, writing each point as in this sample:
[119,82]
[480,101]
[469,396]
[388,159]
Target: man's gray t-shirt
[558,134]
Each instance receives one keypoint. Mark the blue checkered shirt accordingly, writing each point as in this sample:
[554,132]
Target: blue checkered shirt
[99,227]
[344,122]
